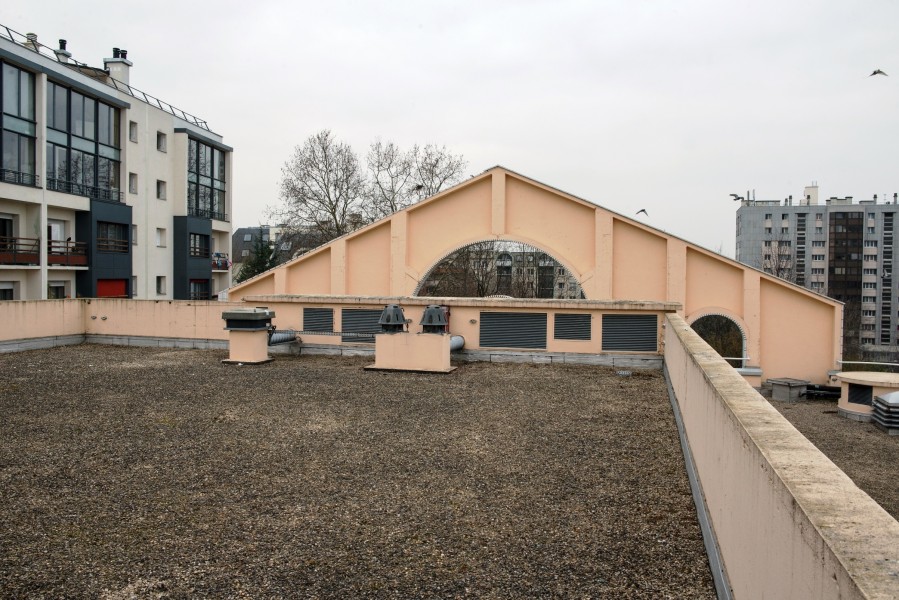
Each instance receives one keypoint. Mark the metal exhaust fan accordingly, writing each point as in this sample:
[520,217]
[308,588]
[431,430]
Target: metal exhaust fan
[434,319]
[392,319]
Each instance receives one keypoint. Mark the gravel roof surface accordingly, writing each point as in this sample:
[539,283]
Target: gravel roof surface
[867,454]
[156,473]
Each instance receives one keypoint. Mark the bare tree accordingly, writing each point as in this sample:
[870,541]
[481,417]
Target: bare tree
[398,179]
[390,186]
[777,258]
[322,186]
[435,168]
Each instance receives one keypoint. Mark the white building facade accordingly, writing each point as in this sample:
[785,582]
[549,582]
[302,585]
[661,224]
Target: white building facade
[105,190]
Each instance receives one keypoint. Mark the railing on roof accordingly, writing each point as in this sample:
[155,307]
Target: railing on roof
[98,75]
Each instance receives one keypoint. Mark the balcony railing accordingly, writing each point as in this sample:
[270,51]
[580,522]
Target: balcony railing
[220,261]
[99,75]
[205,213]
[19,251]
[66,253]
[89,191]
[199,252]
[113,245]
[19,178]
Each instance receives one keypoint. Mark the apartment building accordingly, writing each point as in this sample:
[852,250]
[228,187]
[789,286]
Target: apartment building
[105,190]
[842,248]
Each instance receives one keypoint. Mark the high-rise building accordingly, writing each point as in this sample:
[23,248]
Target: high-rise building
[105,190]
[841,248]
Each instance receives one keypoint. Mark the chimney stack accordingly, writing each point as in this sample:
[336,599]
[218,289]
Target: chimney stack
[32,41]
[62,55]
[118,66]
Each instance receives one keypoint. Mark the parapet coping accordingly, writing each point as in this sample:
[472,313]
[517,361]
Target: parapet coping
[859,533]
[533,303]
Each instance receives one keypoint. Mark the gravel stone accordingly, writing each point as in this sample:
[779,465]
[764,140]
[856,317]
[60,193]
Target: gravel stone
[156,473]
[869,456]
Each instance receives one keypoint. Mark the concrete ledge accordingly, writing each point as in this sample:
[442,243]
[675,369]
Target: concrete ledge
[861,417]
[156,342]
[788,522]
[629,361]
[41,343]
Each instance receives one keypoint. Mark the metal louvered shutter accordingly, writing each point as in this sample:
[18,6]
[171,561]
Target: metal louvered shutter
[513,330]
[360,320]
[634,333]
[571,327]
[860,394]
[318,319]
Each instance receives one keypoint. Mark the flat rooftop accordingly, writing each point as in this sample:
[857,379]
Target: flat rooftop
[137,472]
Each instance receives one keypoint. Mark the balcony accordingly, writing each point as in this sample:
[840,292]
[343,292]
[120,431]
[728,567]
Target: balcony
[20,178]
[66,253]
[116,245]
[78,189]
[220,261]
[19,251]
[205,213]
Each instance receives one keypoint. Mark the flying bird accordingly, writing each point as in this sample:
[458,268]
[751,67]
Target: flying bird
[736,197]
[878,72]
[643,210]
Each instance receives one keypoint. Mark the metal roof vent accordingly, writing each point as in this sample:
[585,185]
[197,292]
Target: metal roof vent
[434,319]
[885,413]
[392,319]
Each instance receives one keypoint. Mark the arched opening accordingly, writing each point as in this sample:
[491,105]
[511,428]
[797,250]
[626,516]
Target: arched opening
[500,268]
[724,335]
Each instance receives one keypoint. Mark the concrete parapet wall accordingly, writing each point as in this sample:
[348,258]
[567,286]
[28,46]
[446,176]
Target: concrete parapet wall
[30,321]
[788,522]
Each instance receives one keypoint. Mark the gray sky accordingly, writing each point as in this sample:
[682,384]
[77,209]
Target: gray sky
[667,106]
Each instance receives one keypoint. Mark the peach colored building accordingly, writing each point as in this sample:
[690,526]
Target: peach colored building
[616,260]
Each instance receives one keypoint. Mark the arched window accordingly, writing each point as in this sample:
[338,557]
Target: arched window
[724,336]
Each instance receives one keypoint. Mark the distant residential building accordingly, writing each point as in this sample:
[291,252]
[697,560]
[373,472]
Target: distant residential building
[842,248]
[105,190]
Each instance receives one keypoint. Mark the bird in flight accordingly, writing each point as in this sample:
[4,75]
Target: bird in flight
[736,197]
[643,210]
[878,72]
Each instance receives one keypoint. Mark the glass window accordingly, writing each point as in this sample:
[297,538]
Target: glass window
[160,189]
[199,245]
[112,237]
[160,141]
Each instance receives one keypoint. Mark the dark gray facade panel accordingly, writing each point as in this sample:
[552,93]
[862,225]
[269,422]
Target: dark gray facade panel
[513,330]
[630,333]
[571,326]
[103,265]
[187,267]
[318,319]
[360,320]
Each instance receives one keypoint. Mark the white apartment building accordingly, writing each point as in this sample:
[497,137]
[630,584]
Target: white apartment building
[105,190]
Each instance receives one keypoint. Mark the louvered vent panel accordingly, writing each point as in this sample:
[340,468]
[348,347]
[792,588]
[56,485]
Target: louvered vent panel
[630,333]
[318,319]
[860,394]
[513,330]
[571,327]
[360,320]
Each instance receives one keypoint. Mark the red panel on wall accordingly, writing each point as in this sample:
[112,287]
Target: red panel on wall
[112,288]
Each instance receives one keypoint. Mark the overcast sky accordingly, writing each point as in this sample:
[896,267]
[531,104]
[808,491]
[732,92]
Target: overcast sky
[667,106]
